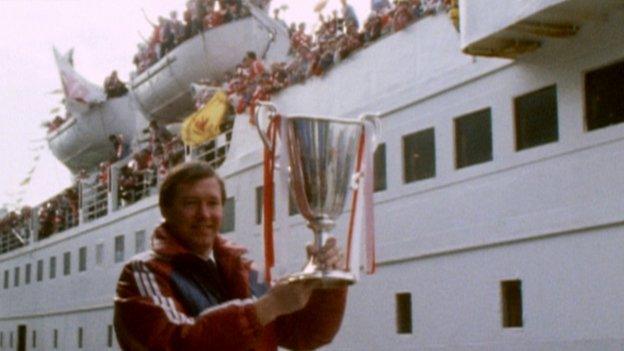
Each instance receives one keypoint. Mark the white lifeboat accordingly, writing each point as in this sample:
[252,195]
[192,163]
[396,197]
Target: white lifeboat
[163,90]
[83,140]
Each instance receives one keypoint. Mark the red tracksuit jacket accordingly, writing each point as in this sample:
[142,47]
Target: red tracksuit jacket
[161,306]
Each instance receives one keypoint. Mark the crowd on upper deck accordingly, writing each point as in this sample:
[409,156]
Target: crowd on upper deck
[313,53]
[198,16]
[336,37]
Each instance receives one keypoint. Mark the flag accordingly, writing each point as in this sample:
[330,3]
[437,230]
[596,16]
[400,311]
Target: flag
[320,5]
[205,123]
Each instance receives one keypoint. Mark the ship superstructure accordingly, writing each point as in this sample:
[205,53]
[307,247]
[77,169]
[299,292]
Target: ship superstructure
[498,185]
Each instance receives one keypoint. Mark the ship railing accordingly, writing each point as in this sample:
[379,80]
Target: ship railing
[14,238]
[215,150]
[144,184]
[93,198]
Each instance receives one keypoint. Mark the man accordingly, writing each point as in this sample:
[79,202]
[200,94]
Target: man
[174,298]
[348,14]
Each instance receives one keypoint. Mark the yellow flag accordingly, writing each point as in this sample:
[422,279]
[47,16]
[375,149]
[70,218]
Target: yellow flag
[204,124]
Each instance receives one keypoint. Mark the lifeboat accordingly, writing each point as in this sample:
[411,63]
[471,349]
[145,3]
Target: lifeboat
[163,90]
[83,140]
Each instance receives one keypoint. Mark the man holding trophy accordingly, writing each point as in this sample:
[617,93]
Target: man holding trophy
[195,291]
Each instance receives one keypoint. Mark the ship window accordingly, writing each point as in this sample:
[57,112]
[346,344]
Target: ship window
[379,168]
[80,337]
[16,277]
[604,96]
[119,248]
[404,313]
[82,259]
[55,338]
[99,254]
[34,339]
[109,338]
[229,215]
[27,273]
[52,267]
[259,202]
[511,303]
[419,155]
[536,118]
[39,270]
[66,263]
[6,279]
[473,138]
[140,244]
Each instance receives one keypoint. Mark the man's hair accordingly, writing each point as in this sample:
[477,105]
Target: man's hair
[186,173]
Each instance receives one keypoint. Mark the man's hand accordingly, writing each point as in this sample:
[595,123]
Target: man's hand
[284,298]
[329,256]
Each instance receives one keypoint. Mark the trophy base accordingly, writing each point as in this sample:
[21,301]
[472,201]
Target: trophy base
[328,279]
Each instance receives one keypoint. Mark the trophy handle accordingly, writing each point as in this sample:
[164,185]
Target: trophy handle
[373,118]
[272,113]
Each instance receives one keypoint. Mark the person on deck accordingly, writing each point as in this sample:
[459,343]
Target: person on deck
[195,291]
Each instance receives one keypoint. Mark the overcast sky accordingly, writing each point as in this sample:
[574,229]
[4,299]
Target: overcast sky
[104,35]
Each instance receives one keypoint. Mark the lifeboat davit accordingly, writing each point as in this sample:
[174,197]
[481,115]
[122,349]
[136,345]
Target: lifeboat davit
[163,90]
[83,140]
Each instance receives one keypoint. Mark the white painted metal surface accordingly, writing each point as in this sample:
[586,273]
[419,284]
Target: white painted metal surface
[83,142]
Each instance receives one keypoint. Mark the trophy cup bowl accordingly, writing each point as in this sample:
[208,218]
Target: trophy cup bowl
[322,154]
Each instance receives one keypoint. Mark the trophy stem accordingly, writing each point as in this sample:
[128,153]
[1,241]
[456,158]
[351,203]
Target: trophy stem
[329,278]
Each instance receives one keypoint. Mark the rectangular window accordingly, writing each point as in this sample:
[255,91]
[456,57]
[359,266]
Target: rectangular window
[52,267]
[16,277]
[419,155]
[229,216]
[473,138]
[404,313]
[259,203]
[34,339]
[604,96]
[11,340]
[82,259]
[6,279]
[99,254]
[140,244]
[511,303]
[39,270]
[66,263]
[109,338]
[119,248]
[379,168]
[80,336]
[536,118]
[1,339]
[27,273]
[55,338]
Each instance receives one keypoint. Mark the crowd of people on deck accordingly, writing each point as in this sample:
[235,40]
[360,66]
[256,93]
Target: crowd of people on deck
[16,223]
[58,213]
[335,38]
[198,16]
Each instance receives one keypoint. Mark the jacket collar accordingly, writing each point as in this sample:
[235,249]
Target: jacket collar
[229,256]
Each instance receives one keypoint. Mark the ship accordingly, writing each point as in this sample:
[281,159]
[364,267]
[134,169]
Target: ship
[497,177]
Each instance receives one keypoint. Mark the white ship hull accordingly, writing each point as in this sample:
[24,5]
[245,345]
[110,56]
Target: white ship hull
[549,216]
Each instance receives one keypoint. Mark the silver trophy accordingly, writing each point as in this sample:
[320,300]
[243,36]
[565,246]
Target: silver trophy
[322,154]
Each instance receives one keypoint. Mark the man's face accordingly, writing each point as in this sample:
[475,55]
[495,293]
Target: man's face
[196,213]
